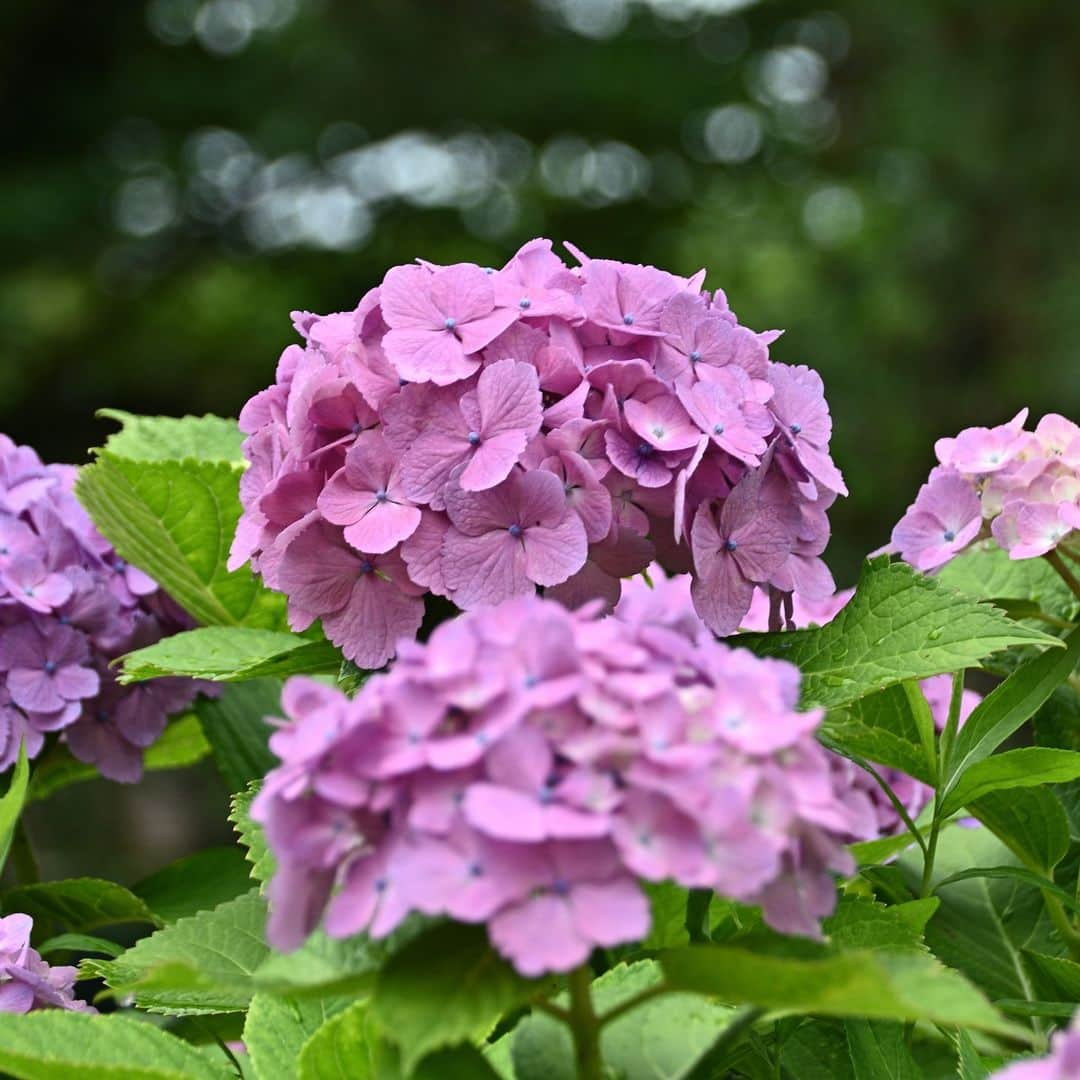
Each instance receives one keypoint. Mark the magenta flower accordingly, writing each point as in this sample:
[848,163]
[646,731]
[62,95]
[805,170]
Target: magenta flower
[798,402]
[507,540]
[981,450]
[724,409]
[439,320]
[625,298]
[537,282]
[475,438]
[29,581]
[366,497]
[733,550]
[695,335]
[945,517]
[366,600]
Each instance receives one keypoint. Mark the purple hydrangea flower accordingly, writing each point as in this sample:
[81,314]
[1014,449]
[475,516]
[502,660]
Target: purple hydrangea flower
[27,982]
[527,766]
[636,389]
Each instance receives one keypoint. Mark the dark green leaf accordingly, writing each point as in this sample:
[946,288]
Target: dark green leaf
[81,944]
[866,924]
[79,904]
[1060,974]
[57,1045]
[817,1050]
[899,625]
[879,1052]
[235,725]
[1027,767]
[445,986]
[1031,822]
[195,883]
[969,1065]
[1009,704]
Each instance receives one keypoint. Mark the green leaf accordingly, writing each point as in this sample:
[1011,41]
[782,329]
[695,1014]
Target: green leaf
[251,835]
[817,1050]
[1031,822]
[338,1049]
[983,924]
[899,625]
[182,744]
[445,986]
[174,438]
[969,1065]
[12,802]
[79,904]
[872,852]
[664,1037]
[463,1062]
[175,520]
[326,965]
[867,924]
[230,654]
[195,883]
[668,904]
[1014,873]
[879,1052]
[235,725]
[870,985]
[1027,767]
[986,572]
[1060,974]
[202,964]
[277,1029]
[57,1045]
[81,944]
[881,728]
[1009,704]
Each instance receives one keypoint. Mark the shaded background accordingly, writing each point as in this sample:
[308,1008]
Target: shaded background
[894,184]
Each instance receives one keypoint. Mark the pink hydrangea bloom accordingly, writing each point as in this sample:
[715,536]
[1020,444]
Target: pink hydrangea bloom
[528,766]
[401,424]
[1022,488]
[28,983]
[69,606]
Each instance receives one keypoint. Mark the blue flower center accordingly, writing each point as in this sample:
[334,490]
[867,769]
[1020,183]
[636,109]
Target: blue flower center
[381,884]
[524,303]
[545,794]
[695,356]
[49,667]
[950,536]
[474,438]
[645,449]
[476,870]
[449,323]
[381,496]
[730,545]
[796,428]
[628,320]
[560,887]
[514,530]
[718,429]
[366,566]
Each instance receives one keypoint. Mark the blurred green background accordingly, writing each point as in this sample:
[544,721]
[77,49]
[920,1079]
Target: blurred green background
[894,184]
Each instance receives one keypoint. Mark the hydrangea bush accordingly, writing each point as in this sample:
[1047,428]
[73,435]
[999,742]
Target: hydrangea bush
[553,750]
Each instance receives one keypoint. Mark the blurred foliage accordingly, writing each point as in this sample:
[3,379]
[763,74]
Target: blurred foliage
[892,183]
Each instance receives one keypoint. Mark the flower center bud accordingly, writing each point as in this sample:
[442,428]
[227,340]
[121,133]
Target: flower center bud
[718,429]
[560,887]
[474,438]
[381,496]
[628,320]
[796,428]
[645,449]
[514,530]
[367,566]
[695,356]
[730,545]
[950,536]
[49,667]
[449,323]
[524,303]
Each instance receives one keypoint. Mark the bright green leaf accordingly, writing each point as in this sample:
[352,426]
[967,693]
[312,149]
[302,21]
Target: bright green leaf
[251,835]
[879,1051]
[57,1045]
[195,883]
[338,1049]
[1028,766]
[325,965]
[668,925]
[899,625]
[230,654]
[175,520]
[12,802]
[174,438]
[202,964]
[445,986]
[235,725]
[79,904]
[969,1065]
[1061,974]
[1009,704]
[868,985]
[867,924]
[1031,822]
[276,1030]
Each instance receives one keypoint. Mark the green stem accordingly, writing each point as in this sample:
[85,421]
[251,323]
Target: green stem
[1066,575]
[23,858]
[944,763]
[931,852]
[584,1026]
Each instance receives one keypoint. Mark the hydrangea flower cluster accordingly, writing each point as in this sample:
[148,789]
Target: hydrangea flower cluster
[528,765]
[1020,487]
[68,606]
[912,794]
[26,981]
[478,434]
[1062,1063]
